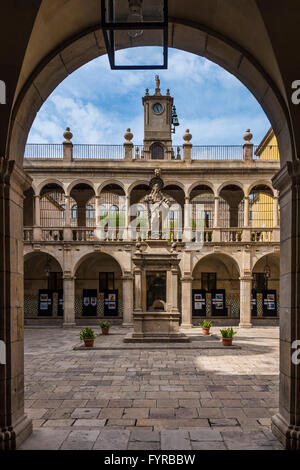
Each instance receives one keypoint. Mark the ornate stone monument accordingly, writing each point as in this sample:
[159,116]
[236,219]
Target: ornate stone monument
[156,316]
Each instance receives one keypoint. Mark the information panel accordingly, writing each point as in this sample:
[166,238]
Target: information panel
[60,303]
[89,303]
[111,305]
[199,302]
[269,303]
[218,303]
[254,303]
[45,303]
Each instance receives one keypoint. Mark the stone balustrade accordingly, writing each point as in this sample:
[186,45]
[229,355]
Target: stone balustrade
[211,235]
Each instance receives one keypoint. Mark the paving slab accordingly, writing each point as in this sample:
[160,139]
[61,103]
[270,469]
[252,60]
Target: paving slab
[166,391]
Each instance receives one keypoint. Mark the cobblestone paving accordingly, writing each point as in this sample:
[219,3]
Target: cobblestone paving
[169,399]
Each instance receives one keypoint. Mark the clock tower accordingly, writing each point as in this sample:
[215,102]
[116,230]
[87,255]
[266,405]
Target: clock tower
[158,124]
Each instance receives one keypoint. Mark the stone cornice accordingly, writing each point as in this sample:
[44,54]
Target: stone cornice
[12,175]
[287,177]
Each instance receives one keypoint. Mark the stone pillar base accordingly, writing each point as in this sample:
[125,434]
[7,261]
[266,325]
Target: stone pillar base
[127,325]
[12,437]
[69,325]
[288,435]
[186,326]
[245,325]
[156,327]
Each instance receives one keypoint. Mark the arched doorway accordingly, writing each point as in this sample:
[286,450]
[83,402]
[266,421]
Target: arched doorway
[98,289]
[265,302]
[43,289]
[255,57]
[216,289]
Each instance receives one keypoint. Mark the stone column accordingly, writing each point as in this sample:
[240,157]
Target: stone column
[37,211]
[128,234]
[69,301]
[286,424]
[186,294]
[245,301]
[127,300]
[81,214]
[216,212]
[15,426]
[67,229]
[138,290]
[234,214]
[68,212]
[97,205]
[276,206]
[37,231]
[246,212]
[174,289]
[187,235]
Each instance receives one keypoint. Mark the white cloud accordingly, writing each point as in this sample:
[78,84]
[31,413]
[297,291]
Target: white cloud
[99,104]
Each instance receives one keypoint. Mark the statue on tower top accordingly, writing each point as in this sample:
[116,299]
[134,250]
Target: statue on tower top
[157,81]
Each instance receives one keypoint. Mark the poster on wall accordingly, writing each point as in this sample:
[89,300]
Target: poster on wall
[198,303]
[269,303]
[89,303]
[254,303]
[45,303]
[93,301]
[60,305]
[111,304]
[218,303]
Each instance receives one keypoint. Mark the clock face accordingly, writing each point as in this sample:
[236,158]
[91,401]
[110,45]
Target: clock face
[157,108]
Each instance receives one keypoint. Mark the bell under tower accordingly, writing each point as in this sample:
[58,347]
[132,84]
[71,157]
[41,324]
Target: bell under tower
[158,124]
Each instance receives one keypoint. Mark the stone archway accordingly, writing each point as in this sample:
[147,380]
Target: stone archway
[238,53]
[102,274]
[43,274]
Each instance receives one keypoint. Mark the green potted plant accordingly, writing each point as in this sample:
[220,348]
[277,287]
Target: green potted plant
[227,336]
[205,325]
[105,326]
[88,336]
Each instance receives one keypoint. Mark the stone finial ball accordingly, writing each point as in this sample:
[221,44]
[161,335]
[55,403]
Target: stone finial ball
[187,136]
[128,135]
[68,134]
[248,136]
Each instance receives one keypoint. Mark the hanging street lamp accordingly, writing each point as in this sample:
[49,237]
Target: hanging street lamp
[139,22]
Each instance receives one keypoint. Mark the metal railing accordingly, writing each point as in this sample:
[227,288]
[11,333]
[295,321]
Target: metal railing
[98,152]
[176,151]
[44,151]
[217,152]
[117,152]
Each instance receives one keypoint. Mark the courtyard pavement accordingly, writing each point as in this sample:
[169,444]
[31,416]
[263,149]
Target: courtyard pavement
[126,397]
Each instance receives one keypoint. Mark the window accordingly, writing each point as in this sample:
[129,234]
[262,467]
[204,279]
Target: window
[74,211]
[63,213]
[89,211]
[209,281]
[157,152]
[106,281]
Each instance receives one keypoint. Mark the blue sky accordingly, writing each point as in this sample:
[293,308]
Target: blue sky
[99,104]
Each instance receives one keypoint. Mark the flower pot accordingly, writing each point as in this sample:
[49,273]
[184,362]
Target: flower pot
[227,341]
[105,331]
[205,331]
[89,342]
